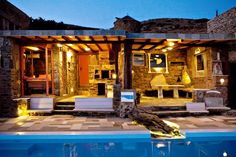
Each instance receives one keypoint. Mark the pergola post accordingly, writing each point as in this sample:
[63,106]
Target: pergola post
[128,65]
[116,49]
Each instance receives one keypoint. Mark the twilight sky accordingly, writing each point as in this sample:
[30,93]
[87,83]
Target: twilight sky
[102,13]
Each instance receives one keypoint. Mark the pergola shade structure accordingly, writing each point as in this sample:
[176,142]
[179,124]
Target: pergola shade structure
[95,41]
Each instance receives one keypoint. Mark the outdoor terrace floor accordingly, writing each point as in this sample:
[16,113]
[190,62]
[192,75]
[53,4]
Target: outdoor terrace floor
[69,123]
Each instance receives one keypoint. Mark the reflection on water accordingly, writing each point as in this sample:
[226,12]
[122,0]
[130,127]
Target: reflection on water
[122,148]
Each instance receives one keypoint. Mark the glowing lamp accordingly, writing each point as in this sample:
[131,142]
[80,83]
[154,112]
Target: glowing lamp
[222,81]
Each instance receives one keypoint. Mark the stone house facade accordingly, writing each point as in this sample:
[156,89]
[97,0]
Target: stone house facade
[92,62]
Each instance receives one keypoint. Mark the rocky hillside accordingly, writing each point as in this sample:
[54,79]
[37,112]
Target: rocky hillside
[174,25]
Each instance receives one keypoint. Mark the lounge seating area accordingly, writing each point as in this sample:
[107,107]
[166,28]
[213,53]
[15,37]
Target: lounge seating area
[41,105]
[94,104]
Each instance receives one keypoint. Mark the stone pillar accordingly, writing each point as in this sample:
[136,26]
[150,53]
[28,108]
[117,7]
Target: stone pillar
[116,97]
[9,77]
[128,66]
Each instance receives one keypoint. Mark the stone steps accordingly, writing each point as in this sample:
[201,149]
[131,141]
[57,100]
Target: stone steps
[180,113]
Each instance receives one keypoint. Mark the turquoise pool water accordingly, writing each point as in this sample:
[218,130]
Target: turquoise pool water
[199,144]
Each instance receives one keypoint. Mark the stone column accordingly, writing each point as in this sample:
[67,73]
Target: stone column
[9,77]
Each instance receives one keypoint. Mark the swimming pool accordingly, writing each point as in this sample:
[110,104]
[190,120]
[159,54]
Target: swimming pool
[116,144]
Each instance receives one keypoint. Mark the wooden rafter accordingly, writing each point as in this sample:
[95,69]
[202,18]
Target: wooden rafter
[54,39]
[72,48]
[99,47]
[65,38]
[156,44]
[108,45]
[40,38]
[144,44]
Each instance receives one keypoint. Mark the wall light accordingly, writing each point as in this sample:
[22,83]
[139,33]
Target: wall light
[171,43]
[59,45]
[32,48]
[69,54]
[87,49]
[222,81]
[113,76]
[169,48]
[164,50]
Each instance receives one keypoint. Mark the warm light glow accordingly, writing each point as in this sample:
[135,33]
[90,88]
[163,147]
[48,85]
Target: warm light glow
[222,81]
[22,110]
[69,44]
[197,51]
[169,48]
[32,48]
[87,49]
[171,43]
[59,45]
[163,50]
[69,54]
[72,90]
[174,40]
[113,76]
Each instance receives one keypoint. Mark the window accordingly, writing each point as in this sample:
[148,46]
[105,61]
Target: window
[138,59]
[200,62]
[158,63]
[200,65]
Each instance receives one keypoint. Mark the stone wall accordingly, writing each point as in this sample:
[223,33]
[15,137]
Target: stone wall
[176,61]
[128,24]
[200,79]
[224,23]
[12,18]
[65,71]
[9,76]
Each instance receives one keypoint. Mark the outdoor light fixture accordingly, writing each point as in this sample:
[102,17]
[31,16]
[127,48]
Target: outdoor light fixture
[87,49]
[32,48]
[59,45]
[169,48]
[72,90]
[197,51]
[113,76]
[163,50]
[69,54]
[222,81]
[171,43]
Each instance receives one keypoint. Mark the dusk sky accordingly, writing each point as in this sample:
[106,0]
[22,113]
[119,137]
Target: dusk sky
[102,13]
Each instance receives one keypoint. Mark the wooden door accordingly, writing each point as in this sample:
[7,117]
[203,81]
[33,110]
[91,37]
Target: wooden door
[84,70]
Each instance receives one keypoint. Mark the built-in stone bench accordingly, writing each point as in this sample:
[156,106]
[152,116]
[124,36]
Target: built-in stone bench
[196,108]
[94,105]
[215,105]
[41,105]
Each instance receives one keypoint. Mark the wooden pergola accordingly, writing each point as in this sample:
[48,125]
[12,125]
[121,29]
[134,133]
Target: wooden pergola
[113,41]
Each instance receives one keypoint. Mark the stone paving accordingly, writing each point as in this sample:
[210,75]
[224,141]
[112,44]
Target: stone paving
[67,123]
[58,123]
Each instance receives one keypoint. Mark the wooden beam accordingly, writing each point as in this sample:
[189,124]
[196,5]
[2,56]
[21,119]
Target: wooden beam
[39,38]
[99,47]
[144,44]
[54,39]
[128,65]
[46,60]
[116,49]
[72,48]
[65,38]
[155,45]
